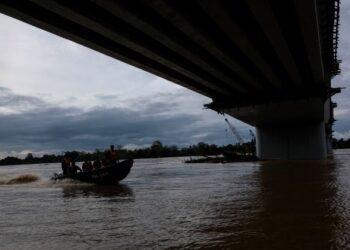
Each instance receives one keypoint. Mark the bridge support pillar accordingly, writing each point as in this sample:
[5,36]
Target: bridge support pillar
[302,142]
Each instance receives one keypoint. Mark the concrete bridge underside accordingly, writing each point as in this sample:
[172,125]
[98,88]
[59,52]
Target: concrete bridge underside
[268,63]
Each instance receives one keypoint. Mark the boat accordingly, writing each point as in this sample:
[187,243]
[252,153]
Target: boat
[227,156]
[232,156]
[105,175]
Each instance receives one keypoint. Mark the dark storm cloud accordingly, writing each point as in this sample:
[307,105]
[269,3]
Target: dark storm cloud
[46,127]
[11,100]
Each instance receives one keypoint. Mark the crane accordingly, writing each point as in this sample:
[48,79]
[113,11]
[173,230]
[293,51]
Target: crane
[235,132]
[252,135]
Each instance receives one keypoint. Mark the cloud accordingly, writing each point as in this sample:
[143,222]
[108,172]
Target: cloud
[107,96]
[57,95]
[35,62]
[345,135]
[14,103]
[48,128]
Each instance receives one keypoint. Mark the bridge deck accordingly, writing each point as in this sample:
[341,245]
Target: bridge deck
[231,51]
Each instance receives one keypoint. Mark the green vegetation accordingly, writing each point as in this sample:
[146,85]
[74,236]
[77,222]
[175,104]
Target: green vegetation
[157,149]
[341,143]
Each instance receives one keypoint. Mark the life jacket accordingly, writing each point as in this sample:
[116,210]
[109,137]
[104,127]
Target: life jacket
[113,154]
[66,162]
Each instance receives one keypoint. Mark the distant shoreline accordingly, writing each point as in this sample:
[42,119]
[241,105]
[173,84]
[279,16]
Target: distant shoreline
[156,150]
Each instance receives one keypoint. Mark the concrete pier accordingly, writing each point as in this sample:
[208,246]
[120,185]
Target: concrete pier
[290,130]
[266,63]
[303,142]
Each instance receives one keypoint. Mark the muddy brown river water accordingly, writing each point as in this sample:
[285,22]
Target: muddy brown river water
[165,203]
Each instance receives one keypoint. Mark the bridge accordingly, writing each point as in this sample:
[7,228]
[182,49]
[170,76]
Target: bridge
[268,63]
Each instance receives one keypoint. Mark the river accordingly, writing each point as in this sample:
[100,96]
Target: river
[166,204]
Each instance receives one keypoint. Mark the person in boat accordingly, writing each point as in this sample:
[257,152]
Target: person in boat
[87,166]
[112,155]
[65,165]
[84,166]
[74,168]
[96,164]
[90,167]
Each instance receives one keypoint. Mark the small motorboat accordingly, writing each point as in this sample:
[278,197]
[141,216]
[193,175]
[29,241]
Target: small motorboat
[105,175]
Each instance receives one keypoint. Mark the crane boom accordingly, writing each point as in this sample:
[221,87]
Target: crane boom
[235,132]
[252,134]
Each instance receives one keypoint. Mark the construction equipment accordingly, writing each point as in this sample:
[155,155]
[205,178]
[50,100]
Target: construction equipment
[245,149]
[235,132]
[252,135]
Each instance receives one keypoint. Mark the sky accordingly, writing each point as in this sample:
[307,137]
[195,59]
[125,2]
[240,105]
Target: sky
[56,95]
[342,112]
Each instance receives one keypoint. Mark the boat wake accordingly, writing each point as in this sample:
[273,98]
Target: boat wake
[38,181]
[66,183]
[20,179]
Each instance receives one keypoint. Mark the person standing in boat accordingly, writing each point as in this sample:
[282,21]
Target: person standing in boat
[112,155]
[65,165]
[74,168]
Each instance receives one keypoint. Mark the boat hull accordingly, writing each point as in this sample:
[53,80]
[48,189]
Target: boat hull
[106,175]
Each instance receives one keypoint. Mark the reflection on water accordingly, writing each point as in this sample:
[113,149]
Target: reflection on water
[297,204]
[98,191]
[164,203]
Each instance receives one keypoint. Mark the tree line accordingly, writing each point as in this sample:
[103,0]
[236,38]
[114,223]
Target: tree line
[157,149]
[341,143]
